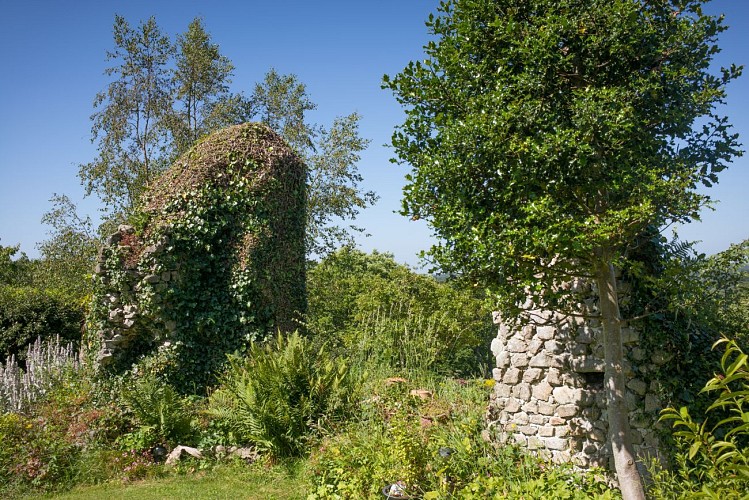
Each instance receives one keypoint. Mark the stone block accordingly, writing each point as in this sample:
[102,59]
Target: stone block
[566,411]
[554,376]
[528,430]
[541,360]
[497,374]
[503,359]
[535,418]
[546,431]
[567,395]
[557,421]
[597,435]
[556,444]
[534,346]
[545,332]
[553,347]
[530,407]
[502,390]
[652,403]
[638,386]
[522,391]
[512,405]
[517,345]
[535,443]
[532,374]
[587,364]
[542,391]
[519,360]
[511,376]
[520,418]
[562,431]
[546,408]
[497,346]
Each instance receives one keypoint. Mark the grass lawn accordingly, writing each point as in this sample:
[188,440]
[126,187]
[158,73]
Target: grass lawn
[278,482]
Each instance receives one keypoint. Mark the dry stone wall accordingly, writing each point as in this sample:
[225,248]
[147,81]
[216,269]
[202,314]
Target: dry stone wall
[549,393]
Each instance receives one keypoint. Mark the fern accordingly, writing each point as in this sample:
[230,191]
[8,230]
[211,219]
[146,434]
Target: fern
[283,394]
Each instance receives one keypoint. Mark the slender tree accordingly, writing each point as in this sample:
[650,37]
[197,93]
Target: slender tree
[131,125]
[201,81]
[546,135]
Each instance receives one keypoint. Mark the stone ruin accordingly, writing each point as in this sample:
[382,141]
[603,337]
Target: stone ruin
[549,394]
[247,277]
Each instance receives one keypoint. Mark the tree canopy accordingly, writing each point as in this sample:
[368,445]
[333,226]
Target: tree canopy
[546,135]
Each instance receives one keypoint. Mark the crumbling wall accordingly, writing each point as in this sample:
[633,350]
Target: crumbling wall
[213,259]
[549,393]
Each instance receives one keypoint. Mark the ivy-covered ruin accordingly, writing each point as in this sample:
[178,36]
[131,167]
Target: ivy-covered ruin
[213,259]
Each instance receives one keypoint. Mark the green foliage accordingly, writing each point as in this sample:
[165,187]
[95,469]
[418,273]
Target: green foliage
[14,272]
[382,313]
[714,455]
[283,394]
[545,153]
[201,80]
[220,257]
[331,155]
[162,416]
[131,126]
[164,97]
[435,449]
[29,313]
[68,256]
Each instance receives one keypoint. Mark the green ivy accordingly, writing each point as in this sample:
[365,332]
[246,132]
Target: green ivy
[217,259]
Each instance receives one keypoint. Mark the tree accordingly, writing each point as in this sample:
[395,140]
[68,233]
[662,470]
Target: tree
[131,126]
[68,256]
[331,155]
[546,135]
[201,82]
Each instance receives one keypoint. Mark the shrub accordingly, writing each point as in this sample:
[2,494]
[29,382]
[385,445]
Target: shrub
[376,310]
[434,448]
[47,363]
[284,393]
[713,457]
[27,314]
[160,414]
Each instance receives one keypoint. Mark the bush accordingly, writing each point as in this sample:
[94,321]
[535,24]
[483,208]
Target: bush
[434,448]
[380,312]
[27,314]
[47,364]
[713,456]
[160,414]
[284,393]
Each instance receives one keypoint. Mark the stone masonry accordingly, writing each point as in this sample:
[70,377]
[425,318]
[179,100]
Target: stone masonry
[549,394]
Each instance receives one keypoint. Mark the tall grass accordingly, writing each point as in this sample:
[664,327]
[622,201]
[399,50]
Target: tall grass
[46,364]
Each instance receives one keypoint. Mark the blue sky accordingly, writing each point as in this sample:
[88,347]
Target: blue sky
[52,58]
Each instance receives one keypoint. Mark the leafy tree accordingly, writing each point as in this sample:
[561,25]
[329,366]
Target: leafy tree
[131,126]
[68,256]
[331,155]
[379,312]
[201,82]
[546,135]
[13,272]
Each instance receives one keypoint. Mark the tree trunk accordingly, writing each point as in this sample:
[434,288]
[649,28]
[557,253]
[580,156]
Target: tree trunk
[620,438]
